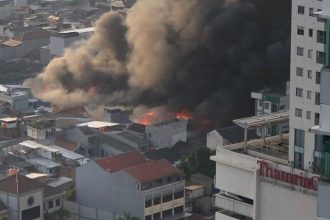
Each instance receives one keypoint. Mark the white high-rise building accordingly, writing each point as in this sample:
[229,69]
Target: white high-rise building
[307,60]
[286,176]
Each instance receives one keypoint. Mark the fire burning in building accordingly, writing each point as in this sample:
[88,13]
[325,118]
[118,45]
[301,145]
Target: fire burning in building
[187,54]
[155,116]
[183,115]
[147,119]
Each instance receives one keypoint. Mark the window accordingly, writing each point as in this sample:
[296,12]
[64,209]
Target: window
[157,216]
[156,200]
[310,32]
[323,20]
[148,203]
[167,213]
[50,204]
[299,92]
[317,98]
[308,114]
[148,217]
[299,138]
[298,160]
[159,181]
[178,195]
[178,210]
[298,112]
[299,71]
[317,119]
[310,53]
[266,105]
[300,30]
[309,94]
[57,202]
[309,74]
[320,57]
[168,197]
[320,37]
[311,12]
[318,78]
[301,10]
[299,143]
[281,107]
[300,51]
[31,213]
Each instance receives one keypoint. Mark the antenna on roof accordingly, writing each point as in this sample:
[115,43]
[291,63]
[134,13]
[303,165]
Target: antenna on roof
[17,170]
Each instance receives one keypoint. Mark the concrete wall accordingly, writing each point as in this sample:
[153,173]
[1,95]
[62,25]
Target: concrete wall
[25,49]
[214,140]
[6,11]
[76,136]
[58,45]
[280,203]
[323,200]
[167,135]
[235,173]
[38,201]
[11,202]
[112,192]
[83,212]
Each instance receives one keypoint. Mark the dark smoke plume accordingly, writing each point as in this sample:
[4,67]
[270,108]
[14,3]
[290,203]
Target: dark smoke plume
[201,56]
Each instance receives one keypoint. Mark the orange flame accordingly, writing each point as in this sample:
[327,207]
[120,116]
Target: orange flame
[183,115]
[147,118]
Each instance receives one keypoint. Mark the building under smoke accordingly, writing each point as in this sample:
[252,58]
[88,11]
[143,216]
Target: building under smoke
[203,57]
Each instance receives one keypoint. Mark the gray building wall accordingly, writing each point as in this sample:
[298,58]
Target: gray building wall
[76,136]
[323,200]
[27,47]
[11,202]
[114,192]
[167,135]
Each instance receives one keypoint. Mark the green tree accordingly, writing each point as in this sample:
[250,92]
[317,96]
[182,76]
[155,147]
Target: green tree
[198,162]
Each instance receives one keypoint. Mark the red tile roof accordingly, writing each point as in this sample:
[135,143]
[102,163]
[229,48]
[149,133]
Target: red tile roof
[19,184]
[121,161]
[153,170]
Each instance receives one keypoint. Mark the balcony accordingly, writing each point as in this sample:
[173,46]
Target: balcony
[233,205]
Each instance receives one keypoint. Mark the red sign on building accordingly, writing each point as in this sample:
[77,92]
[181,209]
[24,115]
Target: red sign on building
[267,170]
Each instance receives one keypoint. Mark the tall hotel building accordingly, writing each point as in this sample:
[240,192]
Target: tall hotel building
[287,176]
[307,59]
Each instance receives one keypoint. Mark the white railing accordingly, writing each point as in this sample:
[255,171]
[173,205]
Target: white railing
[233,205]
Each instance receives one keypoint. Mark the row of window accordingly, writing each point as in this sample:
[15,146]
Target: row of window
[320,35]
[165,213]
[51,203]
[299,112]
[300,72]
[320,56]
[301,11]
[164,198]
[299,93]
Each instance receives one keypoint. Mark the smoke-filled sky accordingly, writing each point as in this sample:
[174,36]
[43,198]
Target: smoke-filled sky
[200,56]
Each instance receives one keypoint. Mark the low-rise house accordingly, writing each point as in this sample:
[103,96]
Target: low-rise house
[86,137]
[116,115]
[129,183]
[23,44]
[227,135]
[167,133]
[28,199]
[46,159]
[41,129]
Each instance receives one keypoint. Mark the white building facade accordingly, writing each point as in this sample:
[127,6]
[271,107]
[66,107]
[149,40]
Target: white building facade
[279,178]
[307,59]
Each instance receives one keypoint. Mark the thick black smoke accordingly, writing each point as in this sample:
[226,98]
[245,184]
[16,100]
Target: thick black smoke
[201,56]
